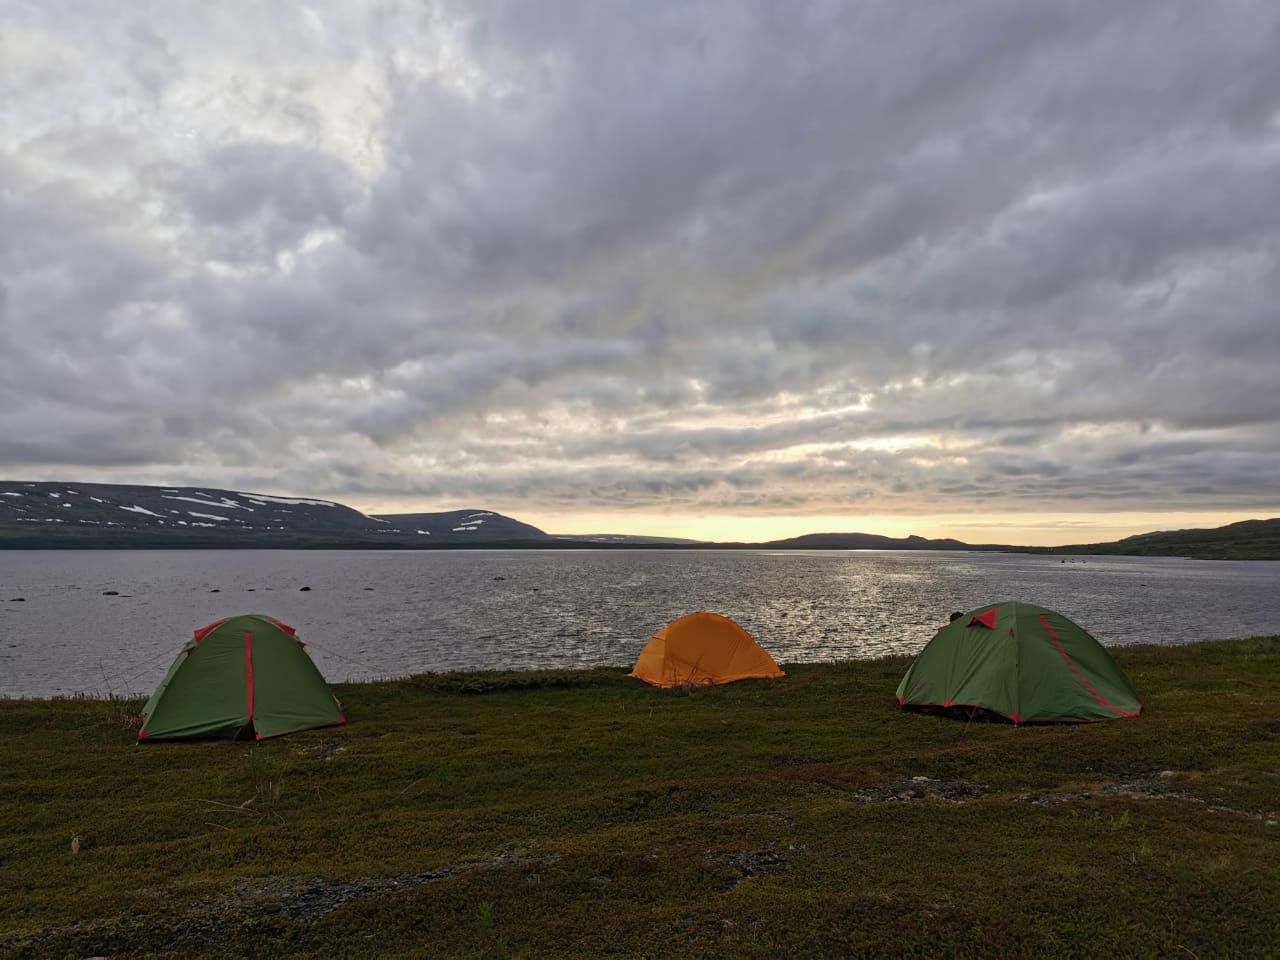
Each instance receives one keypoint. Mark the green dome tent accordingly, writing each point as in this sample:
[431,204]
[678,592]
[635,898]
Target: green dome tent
[243,676]
[1021,662]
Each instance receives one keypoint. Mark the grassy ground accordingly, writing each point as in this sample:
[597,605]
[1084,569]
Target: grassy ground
[584,814]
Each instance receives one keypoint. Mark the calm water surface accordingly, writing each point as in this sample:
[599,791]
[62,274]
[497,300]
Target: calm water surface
[379,614]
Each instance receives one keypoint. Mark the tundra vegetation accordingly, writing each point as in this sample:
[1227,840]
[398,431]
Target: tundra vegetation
[580,813]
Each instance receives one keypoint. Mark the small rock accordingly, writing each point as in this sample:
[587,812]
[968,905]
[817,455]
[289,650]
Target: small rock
[215,590]
[18,600]
[304,589]
[328,749]
[748,863]
[111,593]
[499,578]
[1166,774]
[917,788]
[1037,799]
[369,588]
[251,590]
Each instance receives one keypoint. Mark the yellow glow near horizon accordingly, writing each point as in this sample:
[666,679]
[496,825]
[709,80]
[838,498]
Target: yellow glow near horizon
[1025,529]
[1038,529]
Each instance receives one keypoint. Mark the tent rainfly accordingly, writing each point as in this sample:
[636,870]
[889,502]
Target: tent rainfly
[702,649]
[245,676]
[1020,662]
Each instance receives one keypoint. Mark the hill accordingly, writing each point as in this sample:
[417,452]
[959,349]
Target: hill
[120,515]
[870,541]
[630,540]
[468,525]
[47,515]
[1245,540]
[100,515]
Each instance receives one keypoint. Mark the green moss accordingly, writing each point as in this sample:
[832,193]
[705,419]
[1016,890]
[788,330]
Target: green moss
[580,813]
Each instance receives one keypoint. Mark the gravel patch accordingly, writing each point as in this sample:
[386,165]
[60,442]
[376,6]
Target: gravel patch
[919,788]
[749,863]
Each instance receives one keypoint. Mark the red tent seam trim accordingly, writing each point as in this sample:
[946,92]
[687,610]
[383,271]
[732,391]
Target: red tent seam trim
[248,666]
[1083,682]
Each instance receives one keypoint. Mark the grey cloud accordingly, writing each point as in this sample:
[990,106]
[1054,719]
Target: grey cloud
[247,180]
[251,201]
[714,255]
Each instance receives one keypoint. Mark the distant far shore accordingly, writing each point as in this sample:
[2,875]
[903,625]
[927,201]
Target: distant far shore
[1170,551]
[43,515]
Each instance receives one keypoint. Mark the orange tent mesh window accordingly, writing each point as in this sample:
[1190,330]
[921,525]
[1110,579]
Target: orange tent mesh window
[702,649]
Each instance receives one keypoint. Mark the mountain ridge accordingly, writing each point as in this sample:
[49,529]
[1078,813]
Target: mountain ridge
[75,515]
[87,514]
[1242,540]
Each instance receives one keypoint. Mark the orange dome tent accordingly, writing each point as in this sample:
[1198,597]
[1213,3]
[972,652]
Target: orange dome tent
[702,649]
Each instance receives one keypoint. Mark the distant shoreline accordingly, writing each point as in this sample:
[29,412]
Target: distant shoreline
[42,515]
[571,546]
[469,681]
[505,545]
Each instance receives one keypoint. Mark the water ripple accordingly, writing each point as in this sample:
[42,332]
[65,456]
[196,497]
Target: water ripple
[543,609]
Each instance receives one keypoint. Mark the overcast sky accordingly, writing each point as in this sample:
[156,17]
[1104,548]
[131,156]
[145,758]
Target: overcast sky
[687,268]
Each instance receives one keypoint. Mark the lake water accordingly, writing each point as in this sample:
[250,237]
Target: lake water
[388,613]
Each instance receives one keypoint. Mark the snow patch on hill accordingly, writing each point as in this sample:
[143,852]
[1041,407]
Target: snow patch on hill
[137,509]
[223,502]
[262,498]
